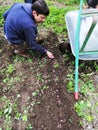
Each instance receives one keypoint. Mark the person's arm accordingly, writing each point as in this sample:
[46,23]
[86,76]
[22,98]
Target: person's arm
[30,37]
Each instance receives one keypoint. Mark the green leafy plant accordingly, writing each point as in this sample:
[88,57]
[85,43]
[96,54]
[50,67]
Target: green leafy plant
[2,10]
[44,87]
[10,69]
[29,127]
[56,65]
[35,93]
[56,19]
[70,83]
[24,117]
[39,77]
[87,87]
[81,108]
[72,2]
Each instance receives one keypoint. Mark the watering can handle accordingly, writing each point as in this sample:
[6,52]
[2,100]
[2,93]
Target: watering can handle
[94,22]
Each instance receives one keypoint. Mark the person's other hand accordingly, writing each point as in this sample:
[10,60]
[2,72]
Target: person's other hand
[49,54]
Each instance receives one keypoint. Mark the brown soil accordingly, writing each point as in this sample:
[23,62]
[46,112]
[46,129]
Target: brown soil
[42,88]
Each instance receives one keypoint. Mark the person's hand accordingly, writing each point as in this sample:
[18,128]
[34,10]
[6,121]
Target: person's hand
[49,54]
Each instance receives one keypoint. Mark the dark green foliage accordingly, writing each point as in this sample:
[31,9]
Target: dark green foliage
[56,19]
[2,10]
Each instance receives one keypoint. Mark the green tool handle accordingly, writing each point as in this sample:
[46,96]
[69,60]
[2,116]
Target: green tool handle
[77,49]
[94,22]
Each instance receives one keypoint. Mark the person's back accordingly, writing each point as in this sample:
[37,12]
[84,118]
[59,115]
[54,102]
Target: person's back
[17,23]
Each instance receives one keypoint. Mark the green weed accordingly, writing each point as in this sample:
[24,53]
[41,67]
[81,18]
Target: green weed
[35,93]
[39,77]
[70,83]
[29,127]
[72,2]
[87,87]
[10,69]
[56,19]
[6,110]
[56,65]
[81,108]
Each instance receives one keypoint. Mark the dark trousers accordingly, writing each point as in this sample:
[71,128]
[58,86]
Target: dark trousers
[29,1]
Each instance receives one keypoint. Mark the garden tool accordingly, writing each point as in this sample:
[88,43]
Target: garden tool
[83,33]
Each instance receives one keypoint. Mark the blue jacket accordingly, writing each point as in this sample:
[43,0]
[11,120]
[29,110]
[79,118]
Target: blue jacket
[20,26]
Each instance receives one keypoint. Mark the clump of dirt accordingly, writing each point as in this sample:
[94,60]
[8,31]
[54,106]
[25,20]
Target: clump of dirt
[39,89]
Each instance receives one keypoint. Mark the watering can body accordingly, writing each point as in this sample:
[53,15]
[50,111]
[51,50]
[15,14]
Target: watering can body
[87,17]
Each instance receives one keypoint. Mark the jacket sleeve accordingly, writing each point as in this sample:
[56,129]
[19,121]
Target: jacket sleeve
[30,37]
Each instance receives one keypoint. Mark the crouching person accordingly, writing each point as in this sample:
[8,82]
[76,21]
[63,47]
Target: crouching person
[21,25]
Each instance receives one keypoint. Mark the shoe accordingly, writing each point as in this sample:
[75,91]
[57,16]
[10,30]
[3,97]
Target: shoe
[21,53]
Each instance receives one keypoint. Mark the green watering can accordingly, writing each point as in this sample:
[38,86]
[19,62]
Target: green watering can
[83,35]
